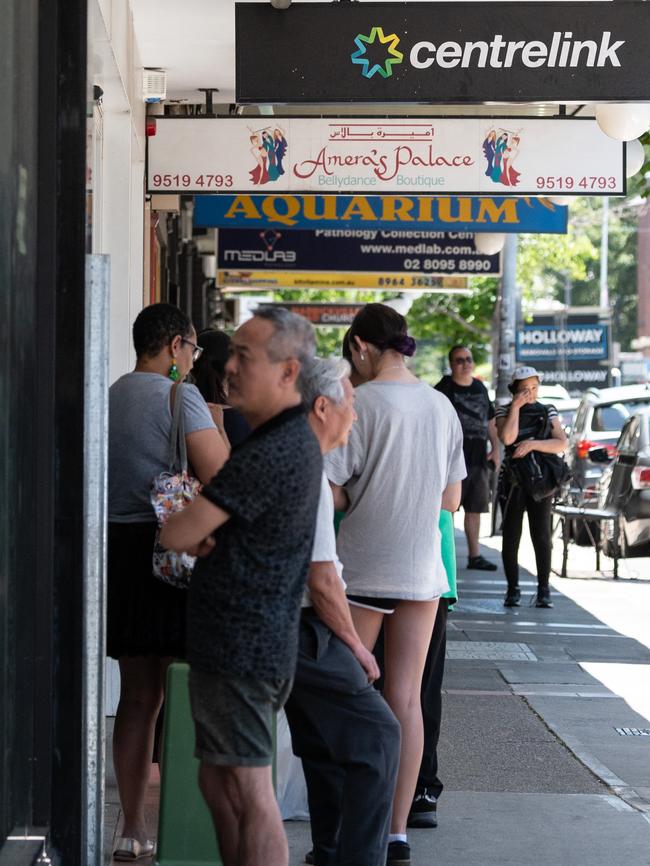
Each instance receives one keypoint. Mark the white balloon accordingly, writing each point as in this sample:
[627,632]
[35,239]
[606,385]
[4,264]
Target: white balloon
[489,243]
[634,157]
[560,199]
[623,121]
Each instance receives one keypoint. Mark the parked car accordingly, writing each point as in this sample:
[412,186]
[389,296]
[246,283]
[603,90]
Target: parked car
[552,393]
[566,409]
[598,422]
[625,487]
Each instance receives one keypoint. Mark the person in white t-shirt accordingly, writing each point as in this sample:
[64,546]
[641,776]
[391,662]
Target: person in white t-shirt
[342,729]
[402,463]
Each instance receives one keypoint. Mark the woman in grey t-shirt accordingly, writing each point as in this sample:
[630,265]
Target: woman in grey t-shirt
[145,617]
[403,454]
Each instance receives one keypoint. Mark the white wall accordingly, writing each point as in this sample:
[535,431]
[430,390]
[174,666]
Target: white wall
[114,65]
[118,188]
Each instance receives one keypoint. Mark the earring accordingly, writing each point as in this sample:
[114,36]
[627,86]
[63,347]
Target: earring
[173,373]
[362,356]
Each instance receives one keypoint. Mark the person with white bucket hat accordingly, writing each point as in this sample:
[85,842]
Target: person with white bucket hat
[527,427]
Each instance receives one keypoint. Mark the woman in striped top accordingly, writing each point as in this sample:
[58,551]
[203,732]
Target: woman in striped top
[525,425]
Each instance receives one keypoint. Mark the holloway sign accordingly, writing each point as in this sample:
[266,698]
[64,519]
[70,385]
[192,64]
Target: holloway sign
[377,215]
[505,155]
[443,52]
[332,250]
[572,349]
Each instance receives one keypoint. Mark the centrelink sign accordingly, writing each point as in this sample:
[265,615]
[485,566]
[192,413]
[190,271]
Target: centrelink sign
[443,52]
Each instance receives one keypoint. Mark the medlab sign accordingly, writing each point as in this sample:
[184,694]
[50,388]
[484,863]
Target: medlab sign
[443,52]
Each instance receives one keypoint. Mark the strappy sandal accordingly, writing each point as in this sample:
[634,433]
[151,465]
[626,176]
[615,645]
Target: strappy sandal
[129,850]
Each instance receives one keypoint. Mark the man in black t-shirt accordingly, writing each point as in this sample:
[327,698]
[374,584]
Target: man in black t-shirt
[472,403]
[252,528]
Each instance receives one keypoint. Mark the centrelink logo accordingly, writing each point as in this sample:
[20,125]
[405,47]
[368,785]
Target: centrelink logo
[561,52]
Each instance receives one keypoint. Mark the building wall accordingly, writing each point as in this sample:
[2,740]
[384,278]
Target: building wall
[118,175]
[117,180]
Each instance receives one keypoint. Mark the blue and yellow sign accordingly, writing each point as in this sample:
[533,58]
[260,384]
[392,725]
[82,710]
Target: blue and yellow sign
[425,213]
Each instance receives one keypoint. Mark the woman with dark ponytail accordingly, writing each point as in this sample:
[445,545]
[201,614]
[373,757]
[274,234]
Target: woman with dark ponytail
[403,462]
[209,375]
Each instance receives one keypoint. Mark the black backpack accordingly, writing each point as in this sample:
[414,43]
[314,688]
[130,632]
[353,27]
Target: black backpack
[538,474]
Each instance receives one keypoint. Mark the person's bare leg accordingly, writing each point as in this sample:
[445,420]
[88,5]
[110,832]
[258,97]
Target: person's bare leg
[246,815]
[407,634]
[368,625]
[472,529]
[141,695]
[225,810]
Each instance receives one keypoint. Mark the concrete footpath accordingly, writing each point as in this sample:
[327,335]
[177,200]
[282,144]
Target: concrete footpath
[542,763]
[545,746]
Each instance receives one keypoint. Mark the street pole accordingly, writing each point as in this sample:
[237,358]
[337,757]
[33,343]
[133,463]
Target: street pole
[507,319]
[604,250]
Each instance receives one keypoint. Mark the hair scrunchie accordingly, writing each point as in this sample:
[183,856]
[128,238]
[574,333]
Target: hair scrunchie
[403,344]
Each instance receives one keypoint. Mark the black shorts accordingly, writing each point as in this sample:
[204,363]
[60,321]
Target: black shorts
[382,605]
[475,496]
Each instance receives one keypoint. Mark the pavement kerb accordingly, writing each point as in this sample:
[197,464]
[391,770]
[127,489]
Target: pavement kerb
[617,786]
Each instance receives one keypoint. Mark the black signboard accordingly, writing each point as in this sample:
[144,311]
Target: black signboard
[571,348]
[365,250]
[443,52]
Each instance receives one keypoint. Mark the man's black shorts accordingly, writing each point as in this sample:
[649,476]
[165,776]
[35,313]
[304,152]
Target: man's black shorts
[475,496]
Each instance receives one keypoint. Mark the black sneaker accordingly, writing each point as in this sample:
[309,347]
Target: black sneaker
[399,854]
[309,857]
[544,598]
[423,811]
[480,563]
[513,598]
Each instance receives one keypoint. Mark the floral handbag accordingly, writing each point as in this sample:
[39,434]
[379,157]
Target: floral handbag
[171,491]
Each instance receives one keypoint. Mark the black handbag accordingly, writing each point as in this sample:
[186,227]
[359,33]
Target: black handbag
[538,474]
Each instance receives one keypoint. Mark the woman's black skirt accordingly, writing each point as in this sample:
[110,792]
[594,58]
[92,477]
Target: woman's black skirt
[145,616]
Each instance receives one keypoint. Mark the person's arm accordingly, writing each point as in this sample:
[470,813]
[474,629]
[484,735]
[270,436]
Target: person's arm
[341,501]
[331,605]
[451,496]
[206,453]
[495,448]
[508,427]
[555,445]
[189,530]
[216,410]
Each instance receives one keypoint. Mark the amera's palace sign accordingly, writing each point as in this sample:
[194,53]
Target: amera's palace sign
[470,155]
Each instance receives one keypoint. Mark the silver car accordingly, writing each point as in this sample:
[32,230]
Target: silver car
[625,487]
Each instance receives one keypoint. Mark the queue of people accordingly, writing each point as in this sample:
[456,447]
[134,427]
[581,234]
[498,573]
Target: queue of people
[280,612]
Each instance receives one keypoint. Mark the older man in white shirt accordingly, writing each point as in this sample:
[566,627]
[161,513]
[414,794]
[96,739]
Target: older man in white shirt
[341,727]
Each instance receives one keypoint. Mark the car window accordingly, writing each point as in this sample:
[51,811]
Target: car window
[580,418]
[609,419]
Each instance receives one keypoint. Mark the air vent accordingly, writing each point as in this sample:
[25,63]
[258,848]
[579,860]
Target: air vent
[154,85]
